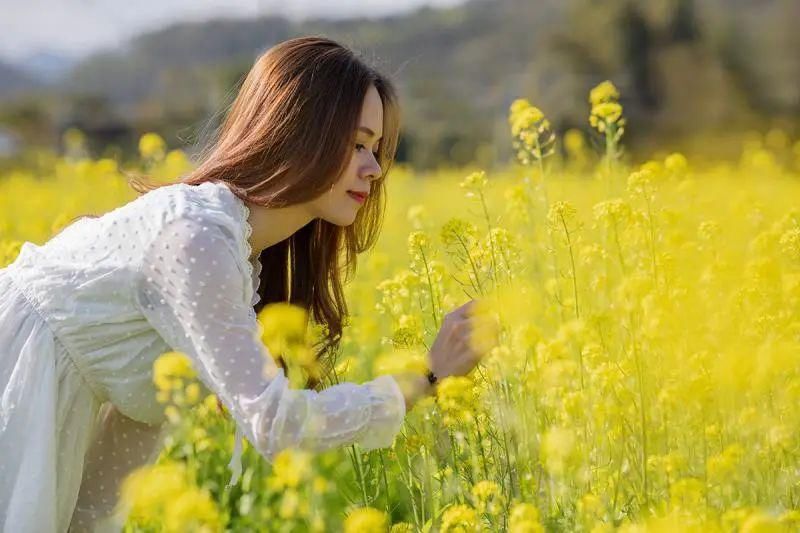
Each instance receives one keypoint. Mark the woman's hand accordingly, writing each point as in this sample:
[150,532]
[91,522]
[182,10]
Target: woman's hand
[464,338]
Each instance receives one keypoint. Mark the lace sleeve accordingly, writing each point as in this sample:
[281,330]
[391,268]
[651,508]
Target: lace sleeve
[192,291]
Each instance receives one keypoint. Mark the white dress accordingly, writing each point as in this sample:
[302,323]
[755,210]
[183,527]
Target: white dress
[84,316]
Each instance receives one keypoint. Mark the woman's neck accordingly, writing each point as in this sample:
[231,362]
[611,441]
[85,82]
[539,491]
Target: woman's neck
[272,225]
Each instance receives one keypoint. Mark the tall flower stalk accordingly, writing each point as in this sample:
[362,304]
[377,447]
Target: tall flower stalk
[606,117]
[534,141]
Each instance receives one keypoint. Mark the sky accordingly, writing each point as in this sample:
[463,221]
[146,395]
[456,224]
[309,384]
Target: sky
[78,27]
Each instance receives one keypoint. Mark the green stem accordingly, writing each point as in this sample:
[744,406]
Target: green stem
[610,156]
[360,472]
[456,471]
[430,289]
[385,484]
[491,239]
[480,448]
[572,261]
[642,411]
[619,249]
[410,486]
[473,265]
[652,235]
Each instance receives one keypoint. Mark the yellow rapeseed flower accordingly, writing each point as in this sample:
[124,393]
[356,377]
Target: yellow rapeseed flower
[9,250]
[590,509]
[192,393]
[286,334]
[283,326]
[152,146]
[290,468]
[605,114]
[173,414]
[687,494]
[518,105]
[456,399]
[366,520]
[74,140]
[524,518]
[574,143]
[558,450]
[192,510]
[170,369]
[560,213]
[488,497]
[146,491]
[606,111]
[290,504]
[460,518]
[603,92]
[676,163]
[533,137]
[761,522]
[474,183]
[320,484]
[526,119]
[457,232]
[418,241]
[790,244]
[614,213]
[722,466]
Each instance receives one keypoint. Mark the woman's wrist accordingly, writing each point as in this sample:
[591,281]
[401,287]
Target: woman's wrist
[414,386]
[432,378]
[423,387]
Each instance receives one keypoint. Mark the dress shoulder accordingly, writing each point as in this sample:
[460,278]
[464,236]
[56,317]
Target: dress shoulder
[211,202]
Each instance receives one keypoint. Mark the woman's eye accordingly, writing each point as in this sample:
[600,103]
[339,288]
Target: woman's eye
[376,154]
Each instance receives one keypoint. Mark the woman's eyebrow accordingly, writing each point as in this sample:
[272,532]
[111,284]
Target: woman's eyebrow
[367,131]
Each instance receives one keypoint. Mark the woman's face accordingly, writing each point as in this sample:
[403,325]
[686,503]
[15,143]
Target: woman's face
[338,205]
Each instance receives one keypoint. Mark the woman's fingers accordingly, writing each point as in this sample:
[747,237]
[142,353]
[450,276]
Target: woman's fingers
[487,322]
[464,311]
[483,338]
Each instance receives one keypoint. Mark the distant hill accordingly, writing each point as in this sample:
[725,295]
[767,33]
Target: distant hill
[14,80]
[456,68]
[47,66]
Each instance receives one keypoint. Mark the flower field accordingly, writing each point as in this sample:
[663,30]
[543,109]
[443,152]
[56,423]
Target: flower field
[647,376]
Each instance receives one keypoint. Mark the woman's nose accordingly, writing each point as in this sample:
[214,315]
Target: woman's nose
[373,174]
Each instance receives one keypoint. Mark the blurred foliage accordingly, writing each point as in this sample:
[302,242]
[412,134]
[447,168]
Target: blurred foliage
[726,64]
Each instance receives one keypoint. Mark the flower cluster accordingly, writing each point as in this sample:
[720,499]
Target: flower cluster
[164,495]
[366,520]
[606,113]
[639,373]
[175,379]
[284,331]
[533,137]
[456,399]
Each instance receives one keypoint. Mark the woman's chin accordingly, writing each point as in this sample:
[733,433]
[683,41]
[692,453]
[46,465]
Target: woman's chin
[341,219]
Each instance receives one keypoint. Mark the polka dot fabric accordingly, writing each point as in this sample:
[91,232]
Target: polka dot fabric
[84,316]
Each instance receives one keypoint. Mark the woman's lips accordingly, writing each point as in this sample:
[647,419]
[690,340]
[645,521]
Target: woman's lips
[358,197]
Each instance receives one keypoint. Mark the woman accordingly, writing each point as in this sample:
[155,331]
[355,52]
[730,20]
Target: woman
[294,180]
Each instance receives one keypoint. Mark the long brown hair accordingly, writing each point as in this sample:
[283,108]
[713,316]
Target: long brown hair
[287,138]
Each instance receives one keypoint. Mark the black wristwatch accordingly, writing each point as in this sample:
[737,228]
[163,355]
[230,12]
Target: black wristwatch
[432,379]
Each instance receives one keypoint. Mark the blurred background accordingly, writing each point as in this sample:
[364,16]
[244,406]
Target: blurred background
[693,75]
